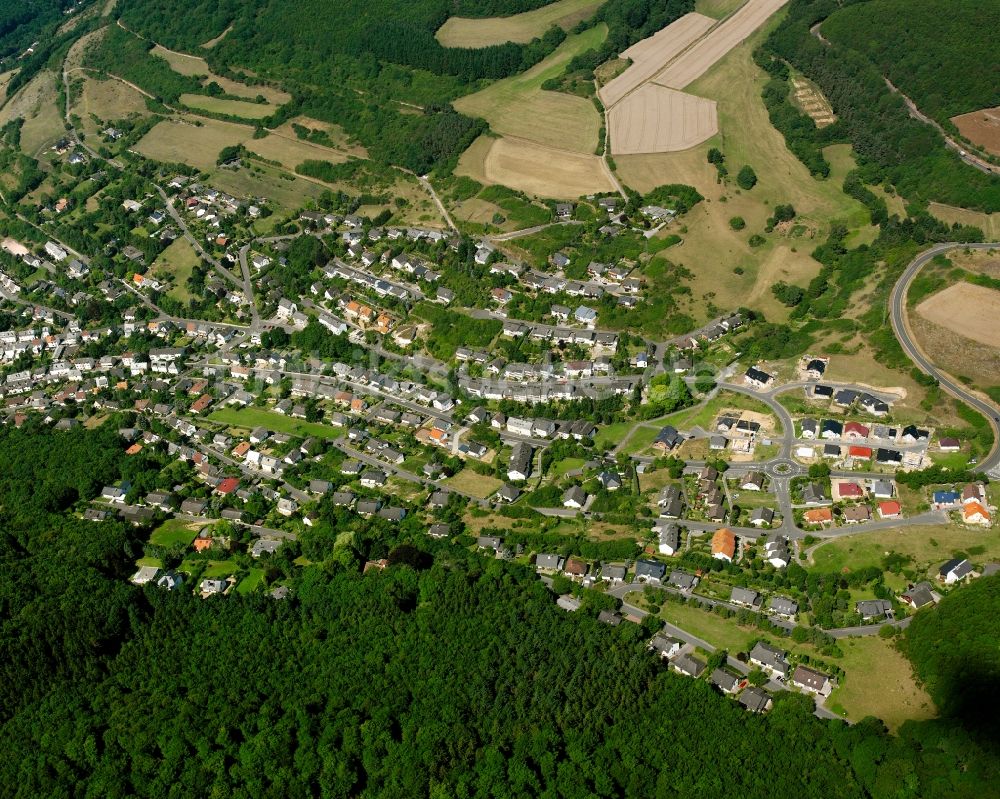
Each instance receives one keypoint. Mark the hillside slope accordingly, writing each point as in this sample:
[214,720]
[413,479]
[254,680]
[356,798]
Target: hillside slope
[948,63]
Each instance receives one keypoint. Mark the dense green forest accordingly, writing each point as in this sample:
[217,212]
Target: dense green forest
[956,654]
[446,675]
[22,22]
[947,63]
[890,146]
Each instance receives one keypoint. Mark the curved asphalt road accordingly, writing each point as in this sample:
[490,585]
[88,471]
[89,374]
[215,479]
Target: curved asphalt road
[897,309]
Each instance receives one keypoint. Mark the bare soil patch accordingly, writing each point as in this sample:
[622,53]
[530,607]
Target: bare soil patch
[966,309]
[655,119]
[981,127]
[650,55]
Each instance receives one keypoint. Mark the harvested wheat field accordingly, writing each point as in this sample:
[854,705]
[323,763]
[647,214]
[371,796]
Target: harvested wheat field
[655,119]
[695,61]
[520,28]
[966,309]
[650,55]
[981,127]
[534,168]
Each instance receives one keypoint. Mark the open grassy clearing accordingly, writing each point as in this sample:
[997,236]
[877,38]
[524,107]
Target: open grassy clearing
[711,249]
[193,65]
[212,42]
[253,580]
[180,140]
[517,106]
[175,533]
[36,104]
[479,485]
[879,683]
[483,32]
[286,191]
[249,418]
[717,8]
[236,108]
[177,262]
[336,136]
[107,100]
[929,546]
[290,151]
[988,223]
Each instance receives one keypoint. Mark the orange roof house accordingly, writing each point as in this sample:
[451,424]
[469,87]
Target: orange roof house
[228,485]
[135,449]
[889,509]
[201,544]
[724,544]
[818,516]
[861,452]
[201,403]
[241,449]
[975,513]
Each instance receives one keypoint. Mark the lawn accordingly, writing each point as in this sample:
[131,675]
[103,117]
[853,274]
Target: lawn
[929,546]
[517,106]
[704,415]
[174,532]
[719,632]
[880,683]
[565,465]
[611,434]
[250,418]
[249,583]
[177,262]
[219,568]
[642,438]
[478,485]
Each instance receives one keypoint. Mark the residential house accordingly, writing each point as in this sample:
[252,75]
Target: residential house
[649,571]
[745,597]
[783,606]
[956,570]
[769,658]
[724,545]
[811,680]
[919,596]
[871,609]
[688,665]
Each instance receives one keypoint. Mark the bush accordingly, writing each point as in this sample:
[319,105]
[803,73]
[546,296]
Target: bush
[746,178]
[737,223]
